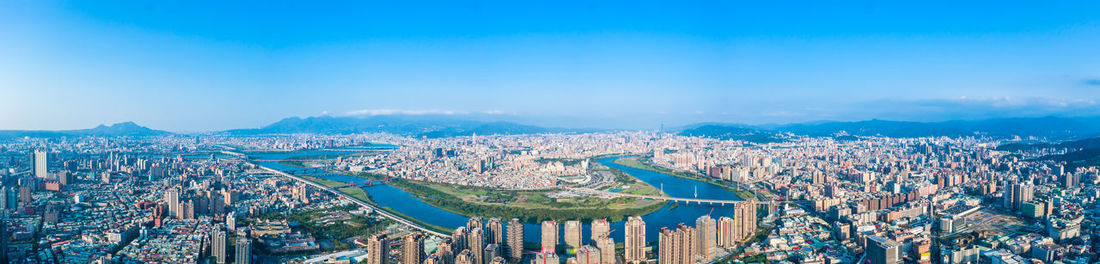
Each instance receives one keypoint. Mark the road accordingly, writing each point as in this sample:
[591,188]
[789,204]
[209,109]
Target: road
[384,213]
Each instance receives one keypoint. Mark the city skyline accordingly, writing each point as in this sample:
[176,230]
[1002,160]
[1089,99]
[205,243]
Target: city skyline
[190,67]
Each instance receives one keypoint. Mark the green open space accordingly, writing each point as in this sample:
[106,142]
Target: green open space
[530,206]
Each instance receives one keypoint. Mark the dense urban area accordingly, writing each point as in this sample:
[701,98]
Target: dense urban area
[305,198]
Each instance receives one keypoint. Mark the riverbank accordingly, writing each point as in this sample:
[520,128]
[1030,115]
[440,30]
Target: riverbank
[635,162]
[359,193]
[528,206]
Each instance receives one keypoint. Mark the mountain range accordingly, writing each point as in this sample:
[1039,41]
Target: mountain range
[431,126]
[435,126]
[124,129]
[1051,128]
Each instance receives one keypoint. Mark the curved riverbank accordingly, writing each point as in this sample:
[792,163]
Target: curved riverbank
[635,162]
[396,200]
[587,208]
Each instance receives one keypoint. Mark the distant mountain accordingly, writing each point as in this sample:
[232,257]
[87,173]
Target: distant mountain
[1087,143]
[734,132]
[124,129]
[432,126]
[1055,128]
[1044,127]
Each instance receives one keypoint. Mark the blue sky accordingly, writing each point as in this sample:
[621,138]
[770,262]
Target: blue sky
[199,66]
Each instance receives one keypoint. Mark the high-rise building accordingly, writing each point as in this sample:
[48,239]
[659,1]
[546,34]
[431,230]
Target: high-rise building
[677,247]
[443,251]
[458,239]
[1016,194]
[545,257]
[464,257]
[475,222]
[434,259]
[588,255]
[607,249]
[475,240]
[172,197]
[64,177]
[492,251]
[745,219]
[881,250]
[377,249]
[244,250]
[634,240]
[217,244]
[573,236]
[549,236]
[515,239]
[495,231]
[231,221]
[412,248]
[186,210]
[725,232]
[4,236]
[600,228]
[708,239]
[41,163]
[9,198]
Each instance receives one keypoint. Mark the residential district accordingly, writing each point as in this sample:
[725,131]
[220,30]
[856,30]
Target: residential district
[837,199]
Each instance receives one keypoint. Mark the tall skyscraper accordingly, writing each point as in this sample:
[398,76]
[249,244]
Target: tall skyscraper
[549,236]
[677,247]
[745,217]
[546,257]
[434,259]
[665,248]
[217,244]
[377,249]
[490,252]
[172,198]
[475,239]
[589,255]
[41,163]
[607,249]
[458,239]
[515,239]
[708,239]
[444,251]
[881,250]
[1015,194]
[4,236]
[600,228]
[231,221]
[413,248]
[573,235]
[244,250]
[634,240]
[495,231]
[474,222]
[464,257]
[725,232]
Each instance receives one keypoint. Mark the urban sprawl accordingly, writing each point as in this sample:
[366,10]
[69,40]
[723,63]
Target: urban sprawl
[837,199]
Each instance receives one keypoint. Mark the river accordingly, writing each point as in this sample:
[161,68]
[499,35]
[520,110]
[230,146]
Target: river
[668,216]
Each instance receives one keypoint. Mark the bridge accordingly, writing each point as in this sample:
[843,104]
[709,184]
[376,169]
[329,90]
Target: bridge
[357,201]
[367,183]
[659,198]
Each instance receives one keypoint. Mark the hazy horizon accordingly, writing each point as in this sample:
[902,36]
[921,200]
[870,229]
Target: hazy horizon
[189,67]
